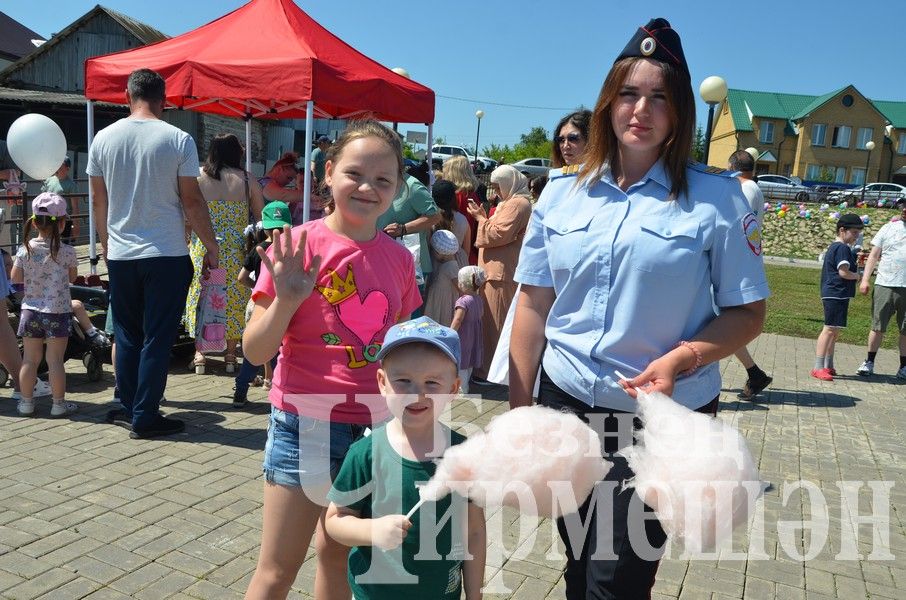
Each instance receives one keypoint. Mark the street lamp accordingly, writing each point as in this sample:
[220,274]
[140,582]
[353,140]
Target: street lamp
[869,145]
[713,90]
[478,114]
[402,73]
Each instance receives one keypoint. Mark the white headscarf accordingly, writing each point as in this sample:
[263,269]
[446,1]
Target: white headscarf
[511,182]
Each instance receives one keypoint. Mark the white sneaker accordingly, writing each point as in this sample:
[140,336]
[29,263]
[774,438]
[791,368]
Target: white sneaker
[41,389]
[901,374]
[25,408]
[61,409]
[868,368]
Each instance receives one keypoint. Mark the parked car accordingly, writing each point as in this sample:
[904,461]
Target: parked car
[441,152]
[532,167]
[888,194]
[778,187]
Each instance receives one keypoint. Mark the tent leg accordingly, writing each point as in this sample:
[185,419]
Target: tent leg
[428,154]
[248,145]
[92,234]
[309,125]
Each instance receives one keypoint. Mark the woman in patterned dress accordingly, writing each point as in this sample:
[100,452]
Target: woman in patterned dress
[231,195]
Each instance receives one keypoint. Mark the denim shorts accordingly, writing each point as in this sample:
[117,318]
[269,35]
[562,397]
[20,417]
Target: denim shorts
[34,324]
[303,451]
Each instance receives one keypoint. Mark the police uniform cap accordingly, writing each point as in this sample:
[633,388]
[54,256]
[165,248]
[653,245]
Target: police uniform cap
[658,41]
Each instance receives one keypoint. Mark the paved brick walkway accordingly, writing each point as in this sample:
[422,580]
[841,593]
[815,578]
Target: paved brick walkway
[87,513]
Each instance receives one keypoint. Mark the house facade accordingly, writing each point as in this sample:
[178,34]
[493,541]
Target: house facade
[815,138]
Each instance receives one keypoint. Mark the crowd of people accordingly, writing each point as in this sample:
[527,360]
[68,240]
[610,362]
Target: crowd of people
[372,311]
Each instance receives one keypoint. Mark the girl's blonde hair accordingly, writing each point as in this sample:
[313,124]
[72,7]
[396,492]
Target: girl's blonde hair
[365,128]
[458,171]
[49,227]
[471,279]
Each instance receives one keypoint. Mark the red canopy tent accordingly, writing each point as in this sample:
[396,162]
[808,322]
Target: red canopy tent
[266,59]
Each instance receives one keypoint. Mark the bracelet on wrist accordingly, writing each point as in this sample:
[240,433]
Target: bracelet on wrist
[698,358]
[404,230]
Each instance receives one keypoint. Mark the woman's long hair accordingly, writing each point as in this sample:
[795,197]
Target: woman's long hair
[458,171]
[602,141]
[47,225]
[225,151]
[444,194]
[579,120]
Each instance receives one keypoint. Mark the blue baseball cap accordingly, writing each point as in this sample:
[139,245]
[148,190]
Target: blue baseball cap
[427,331]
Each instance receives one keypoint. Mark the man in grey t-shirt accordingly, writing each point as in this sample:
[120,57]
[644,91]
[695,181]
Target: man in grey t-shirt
[143,177]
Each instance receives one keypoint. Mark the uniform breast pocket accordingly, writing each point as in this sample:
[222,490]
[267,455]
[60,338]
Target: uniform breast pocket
[566,238]
[666,248]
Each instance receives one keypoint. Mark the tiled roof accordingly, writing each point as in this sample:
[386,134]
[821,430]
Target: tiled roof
[15,38]
[745,104]
[894,111]
[814,104]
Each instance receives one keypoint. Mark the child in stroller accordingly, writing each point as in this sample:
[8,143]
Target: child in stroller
[87,341]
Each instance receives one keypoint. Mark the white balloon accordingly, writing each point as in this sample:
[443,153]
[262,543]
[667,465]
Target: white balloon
[37,145]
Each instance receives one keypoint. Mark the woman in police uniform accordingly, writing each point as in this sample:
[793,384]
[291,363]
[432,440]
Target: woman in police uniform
[618,268]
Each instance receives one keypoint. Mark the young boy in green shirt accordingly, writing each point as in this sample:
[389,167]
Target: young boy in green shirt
[442,549]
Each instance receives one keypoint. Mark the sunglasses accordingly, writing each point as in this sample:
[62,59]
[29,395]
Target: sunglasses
[572,138]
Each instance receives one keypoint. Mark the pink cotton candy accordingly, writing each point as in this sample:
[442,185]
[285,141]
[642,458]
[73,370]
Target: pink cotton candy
[695,471]
[525,459]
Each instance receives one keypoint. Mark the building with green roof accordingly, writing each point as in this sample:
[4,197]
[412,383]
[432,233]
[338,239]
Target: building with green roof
[815,138]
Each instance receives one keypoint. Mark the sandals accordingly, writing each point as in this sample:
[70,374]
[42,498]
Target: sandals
[229,361]
[198,363]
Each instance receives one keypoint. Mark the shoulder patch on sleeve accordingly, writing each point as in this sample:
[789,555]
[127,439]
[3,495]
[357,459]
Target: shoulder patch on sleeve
[569,170]
[703,168]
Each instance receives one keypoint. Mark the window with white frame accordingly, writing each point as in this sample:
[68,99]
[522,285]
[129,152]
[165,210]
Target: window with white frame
[901,144]
[839,174]
[863,137]
[766,132]
[813,172]
[842,133]
[858,176]
[819,134]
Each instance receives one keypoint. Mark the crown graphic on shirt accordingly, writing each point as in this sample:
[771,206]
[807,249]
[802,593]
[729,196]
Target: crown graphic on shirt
[339,288]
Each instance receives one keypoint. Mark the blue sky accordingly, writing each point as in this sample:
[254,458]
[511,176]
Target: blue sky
[553,55]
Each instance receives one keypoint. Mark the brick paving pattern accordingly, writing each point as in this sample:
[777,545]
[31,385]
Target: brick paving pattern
[85,512]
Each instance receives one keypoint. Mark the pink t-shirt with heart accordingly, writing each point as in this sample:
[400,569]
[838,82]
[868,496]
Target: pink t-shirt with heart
[327,367]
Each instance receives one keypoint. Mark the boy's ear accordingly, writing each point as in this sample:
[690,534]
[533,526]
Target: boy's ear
[382,382]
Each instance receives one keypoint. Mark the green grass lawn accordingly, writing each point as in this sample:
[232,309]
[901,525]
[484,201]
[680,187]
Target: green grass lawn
[795,309]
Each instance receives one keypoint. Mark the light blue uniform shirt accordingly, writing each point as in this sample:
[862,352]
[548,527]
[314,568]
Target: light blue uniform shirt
[633,274]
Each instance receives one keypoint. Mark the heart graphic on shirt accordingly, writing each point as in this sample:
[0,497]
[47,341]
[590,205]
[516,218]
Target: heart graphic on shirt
[365,318]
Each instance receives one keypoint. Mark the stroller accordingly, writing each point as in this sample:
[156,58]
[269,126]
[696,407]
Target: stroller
[92,356]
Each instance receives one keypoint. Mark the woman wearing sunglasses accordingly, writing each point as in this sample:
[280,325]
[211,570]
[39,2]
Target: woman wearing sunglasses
[570,137]
[619,265]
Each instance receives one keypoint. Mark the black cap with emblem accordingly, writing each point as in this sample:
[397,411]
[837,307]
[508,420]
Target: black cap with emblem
[657,40]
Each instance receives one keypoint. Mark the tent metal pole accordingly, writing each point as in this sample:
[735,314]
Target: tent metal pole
[428,154]
[306,193]
[92,235]
[248,144]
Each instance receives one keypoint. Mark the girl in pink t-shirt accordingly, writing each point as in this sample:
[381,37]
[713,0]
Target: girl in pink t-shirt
[327,294]
[46,266]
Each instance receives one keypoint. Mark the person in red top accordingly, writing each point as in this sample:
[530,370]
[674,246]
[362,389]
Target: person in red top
[329,291]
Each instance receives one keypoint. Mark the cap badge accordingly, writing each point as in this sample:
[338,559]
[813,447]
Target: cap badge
[648,46]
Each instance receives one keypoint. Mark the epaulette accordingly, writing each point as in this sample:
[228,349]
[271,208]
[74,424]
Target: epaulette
[703,168]
[568,170]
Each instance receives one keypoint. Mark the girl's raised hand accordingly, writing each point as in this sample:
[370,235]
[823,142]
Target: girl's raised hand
[293,283]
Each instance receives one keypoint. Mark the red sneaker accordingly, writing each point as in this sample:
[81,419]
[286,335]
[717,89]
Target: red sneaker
[833,371]
[822,374]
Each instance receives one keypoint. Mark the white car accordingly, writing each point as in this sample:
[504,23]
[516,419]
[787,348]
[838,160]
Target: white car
[891,195]
[532,167]
[441,152]
[778,187]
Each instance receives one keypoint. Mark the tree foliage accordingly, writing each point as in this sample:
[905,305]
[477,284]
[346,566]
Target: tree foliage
[534,144]
[698,145]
